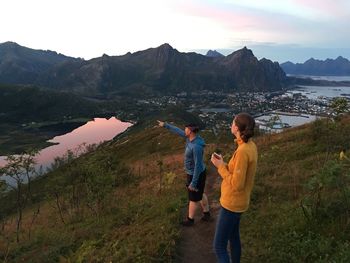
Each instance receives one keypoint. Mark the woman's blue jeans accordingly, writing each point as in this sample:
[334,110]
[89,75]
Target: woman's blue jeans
[227,229]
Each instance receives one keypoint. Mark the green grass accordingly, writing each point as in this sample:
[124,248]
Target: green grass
[115,210]
[113,207]
[293,167]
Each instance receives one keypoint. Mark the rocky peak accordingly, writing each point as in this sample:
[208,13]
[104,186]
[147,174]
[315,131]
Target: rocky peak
[9,47]
[9,44]
[341,59]
[272,69]
[163,54]
[311,60]
[241,56]
[214,54]
[165,46]
[164,49]
[242,53]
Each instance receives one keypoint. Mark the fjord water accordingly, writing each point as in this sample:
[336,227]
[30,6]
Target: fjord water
[329,78]
[92,132]
[313,93]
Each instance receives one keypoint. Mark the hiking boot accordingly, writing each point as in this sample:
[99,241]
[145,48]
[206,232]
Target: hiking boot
[206,217]
[188,222]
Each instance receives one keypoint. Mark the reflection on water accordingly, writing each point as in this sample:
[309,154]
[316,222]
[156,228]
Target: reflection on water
[93,132]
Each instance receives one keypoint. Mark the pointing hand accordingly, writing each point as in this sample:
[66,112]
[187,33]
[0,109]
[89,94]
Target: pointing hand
[161,123]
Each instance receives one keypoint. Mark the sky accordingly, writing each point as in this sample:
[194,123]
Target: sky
[280,30]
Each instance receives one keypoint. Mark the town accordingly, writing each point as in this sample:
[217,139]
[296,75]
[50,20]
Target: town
[216,109]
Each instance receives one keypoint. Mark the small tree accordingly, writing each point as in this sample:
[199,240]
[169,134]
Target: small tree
[28,163]
[19,168]
[339,105]
[273,120]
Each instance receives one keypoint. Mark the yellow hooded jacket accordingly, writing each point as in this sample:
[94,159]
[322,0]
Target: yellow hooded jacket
[238,177]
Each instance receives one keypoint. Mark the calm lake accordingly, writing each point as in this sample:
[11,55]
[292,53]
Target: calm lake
[92,132]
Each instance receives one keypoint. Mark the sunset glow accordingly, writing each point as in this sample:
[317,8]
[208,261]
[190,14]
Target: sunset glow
[91,28]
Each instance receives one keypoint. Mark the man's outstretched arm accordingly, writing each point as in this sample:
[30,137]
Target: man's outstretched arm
[172,128]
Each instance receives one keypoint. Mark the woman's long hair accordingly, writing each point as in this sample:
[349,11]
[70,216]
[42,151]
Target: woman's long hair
[246,124]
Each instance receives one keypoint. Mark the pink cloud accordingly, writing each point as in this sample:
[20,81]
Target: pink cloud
[236,19]
[256,25]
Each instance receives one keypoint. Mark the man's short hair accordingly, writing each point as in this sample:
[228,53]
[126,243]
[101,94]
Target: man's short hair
[193,127]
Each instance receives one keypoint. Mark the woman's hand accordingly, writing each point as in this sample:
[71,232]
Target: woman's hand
[217,160]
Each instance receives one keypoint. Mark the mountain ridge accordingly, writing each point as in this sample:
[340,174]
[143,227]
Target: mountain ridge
[157,70]
[22,65]
[328,67]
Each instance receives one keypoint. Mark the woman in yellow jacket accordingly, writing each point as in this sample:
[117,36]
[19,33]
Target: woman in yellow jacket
[237,183]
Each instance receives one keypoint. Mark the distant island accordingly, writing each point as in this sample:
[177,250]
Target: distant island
[329,67]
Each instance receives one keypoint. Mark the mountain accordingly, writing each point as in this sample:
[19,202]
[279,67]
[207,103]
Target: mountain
[214,54]
[21,65]
[249,73]
[329,67]
[166,70]
[160,70]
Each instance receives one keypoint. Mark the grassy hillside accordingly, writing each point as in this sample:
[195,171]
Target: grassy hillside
[122,202]
[301,202]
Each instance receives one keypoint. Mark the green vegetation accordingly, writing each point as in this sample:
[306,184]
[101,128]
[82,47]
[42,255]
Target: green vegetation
[121,201]
[300,207]
[19,168]
[23,104]
[29,116]
[109,204]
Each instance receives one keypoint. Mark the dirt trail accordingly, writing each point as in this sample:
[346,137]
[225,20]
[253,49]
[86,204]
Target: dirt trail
[196,244]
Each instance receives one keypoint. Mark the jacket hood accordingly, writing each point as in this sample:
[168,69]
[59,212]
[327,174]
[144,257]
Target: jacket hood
[198,141]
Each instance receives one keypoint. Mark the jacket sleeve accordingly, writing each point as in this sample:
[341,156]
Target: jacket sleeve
[175,129]
[235,173]
[197,157]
